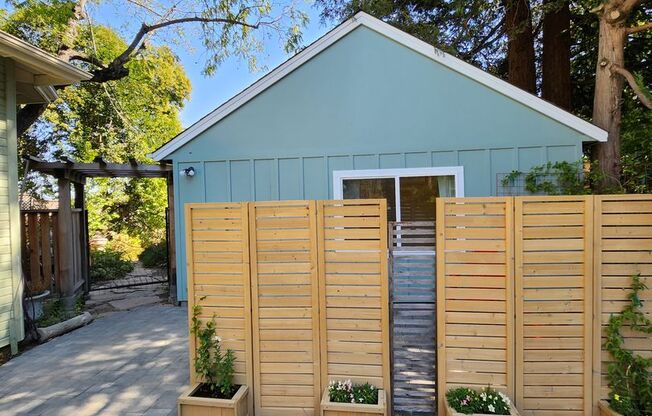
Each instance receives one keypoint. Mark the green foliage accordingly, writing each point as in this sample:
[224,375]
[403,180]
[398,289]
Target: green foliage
[347,392]
[468,401]
[54,312]
[129,247]
[108,265]
[558,178]
[41,23]
[365,393]
[211,364]
[117,120]
[466,28]
[636,147]
[155,255]
[630,378]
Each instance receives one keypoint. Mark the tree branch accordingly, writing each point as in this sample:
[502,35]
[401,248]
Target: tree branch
[70,34]
[639,28]
[628,5]
[629,77]
[145,29]
[116,68]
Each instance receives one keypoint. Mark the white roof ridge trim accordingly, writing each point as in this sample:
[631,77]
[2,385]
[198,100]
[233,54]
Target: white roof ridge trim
[403,38]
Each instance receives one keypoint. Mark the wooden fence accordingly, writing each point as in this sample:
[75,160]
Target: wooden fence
[40,255]
[520,281]
[299,291]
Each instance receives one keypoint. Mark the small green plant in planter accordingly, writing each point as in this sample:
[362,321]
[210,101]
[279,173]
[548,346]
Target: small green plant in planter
[215,369]
[629,375]
[488,401]
[211,364]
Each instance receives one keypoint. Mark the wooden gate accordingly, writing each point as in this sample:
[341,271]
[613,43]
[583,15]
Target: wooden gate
[285,307]
[413,326]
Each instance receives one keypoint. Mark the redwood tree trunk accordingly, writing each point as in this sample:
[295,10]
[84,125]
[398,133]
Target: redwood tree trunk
[556,65]
[520,45]
[608,96]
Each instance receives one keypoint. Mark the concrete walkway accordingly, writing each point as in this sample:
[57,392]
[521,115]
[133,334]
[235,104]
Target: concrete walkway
[126,363]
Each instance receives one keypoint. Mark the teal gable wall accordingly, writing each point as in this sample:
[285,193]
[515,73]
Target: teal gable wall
[366,102]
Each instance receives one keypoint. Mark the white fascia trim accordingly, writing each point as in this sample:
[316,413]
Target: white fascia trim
[409,41]
[21,51]
[340,175]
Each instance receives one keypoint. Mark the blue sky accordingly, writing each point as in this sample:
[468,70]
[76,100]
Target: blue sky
[231,77]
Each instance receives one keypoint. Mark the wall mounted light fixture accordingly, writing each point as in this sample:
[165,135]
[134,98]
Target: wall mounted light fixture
[190,172]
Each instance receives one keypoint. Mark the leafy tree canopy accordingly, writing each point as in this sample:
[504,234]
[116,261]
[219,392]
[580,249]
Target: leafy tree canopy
[117,120]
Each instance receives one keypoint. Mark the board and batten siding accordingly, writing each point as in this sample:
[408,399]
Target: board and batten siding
[366,102]
[11,319]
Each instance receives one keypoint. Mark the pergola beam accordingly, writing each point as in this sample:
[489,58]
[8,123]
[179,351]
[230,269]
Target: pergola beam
[99,168]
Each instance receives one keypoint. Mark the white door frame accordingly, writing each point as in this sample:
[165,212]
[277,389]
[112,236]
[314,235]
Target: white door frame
[340,175]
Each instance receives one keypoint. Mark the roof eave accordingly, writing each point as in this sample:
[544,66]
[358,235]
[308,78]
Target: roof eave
[55,71]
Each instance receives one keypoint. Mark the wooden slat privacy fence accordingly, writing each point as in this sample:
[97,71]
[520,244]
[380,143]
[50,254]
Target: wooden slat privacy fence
[219,280]
[546,272]
[475,300]
[39,251]
[623,240]
[554,288]
[285,313]
[298,289]
[354,291]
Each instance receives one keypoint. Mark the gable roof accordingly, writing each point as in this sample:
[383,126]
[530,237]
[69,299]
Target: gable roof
[363,19]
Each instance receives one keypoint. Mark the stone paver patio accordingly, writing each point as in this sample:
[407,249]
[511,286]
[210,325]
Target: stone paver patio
[126,363]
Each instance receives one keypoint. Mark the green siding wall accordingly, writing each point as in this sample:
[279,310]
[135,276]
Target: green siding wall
[11,328]
[364,103]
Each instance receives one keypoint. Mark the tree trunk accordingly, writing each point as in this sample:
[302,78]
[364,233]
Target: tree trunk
[556,64]
[608,97]
[520,45]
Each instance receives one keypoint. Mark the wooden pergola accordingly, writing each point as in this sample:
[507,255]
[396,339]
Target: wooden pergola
[69,174]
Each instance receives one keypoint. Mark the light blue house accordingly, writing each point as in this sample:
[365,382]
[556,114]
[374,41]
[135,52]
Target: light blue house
[368,111]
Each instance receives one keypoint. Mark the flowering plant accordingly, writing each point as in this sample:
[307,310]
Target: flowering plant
[211,364]
[487,401]
[347,392]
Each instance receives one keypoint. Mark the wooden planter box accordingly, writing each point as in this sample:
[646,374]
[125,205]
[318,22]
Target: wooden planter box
[329,408]
[451,412]
[605,410]
[187,405]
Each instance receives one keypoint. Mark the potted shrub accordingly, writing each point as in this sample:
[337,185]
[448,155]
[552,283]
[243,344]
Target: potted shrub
[344,397]
[466,401]
[629,375]
[216,393]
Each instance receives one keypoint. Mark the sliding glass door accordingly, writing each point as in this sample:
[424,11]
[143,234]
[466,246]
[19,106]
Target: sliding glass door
[410,193]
